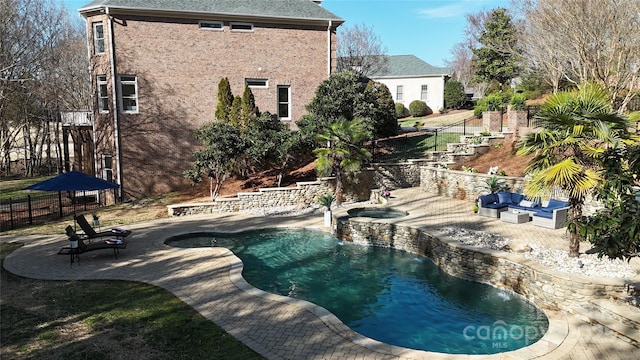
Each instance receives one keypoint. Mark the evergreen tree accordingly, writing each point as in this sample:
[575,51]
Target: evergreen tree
[378,110]
[497,59]
[345,96]
[249,110]
[235,113]
[225,100]
[454,95]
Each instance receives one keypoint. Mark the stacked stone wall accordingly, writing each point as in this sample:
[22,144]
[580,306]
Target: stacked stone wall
[546,288]
[303,195]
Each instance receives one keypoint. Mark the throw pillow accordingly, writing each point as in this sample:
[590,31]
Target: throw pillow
[526,203]
[504,197]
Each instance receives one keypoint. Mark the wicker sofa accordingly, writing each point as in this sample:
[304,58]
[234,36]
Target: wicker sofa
[550,214]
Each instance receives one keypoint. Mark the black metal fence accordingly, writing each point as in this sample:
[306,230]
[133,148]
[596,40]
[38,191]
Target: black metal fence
[415,143]
[45,207]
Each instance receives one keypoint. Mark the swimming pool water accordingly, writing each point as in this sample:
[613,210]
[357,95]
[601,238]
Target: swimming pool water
[392,296]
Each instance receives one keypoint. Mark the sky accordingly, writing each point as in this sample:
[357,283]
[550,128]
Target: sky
[426,28]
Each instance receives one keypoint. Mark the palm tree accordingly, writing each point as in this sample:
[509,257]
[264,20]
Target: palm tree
[344,153]
[577,125]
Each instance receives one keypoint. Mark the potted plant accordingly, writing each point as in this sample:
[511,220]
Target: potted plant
[383,196]
[326,200]
[73,238]
[517,114]
[96,220]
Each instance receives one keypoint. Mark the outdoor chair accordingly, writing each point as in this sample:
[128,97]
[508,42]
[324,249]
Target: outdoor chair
[78,246]
[91,233]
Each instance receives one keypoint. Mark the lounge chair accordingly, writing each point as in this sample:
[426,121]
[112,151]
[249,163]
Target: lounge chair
[113,243]
[90,232]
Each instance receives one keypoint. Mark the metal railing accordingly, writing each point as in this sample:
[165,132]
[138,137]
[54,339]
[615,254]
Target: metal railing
[415,145]
[41,208]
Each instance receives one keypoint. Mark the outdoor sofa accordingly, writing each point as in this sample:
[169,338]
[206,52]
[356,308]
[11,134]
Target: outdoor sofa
[550,214]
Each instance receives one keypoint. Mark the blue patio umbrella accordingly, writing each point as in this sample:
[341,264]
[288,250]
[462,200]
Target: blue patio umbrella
[73,181]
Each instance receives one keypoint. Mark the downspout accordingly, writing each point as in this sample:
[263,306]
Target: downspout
[329,48]
[93,114]
[116,129]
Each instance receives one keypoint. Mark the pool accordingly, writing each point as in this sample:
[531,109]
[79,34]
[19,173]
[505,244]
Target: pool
[388,295]
[376,213]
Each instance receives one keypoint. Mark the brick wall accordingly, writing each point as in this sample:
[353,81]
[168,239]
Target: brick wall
[178,67]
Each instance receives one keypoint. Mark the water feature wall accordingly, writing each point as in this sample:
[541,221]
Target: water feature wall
[545,287]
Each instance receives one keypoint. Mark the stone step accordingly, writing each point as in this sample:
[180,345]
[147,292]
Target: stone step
[621,318]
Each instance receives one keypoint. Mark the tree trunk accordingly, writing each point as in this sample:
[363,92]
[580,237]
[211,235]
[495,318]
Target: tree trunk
[574,245]
[338,188]
[575,212]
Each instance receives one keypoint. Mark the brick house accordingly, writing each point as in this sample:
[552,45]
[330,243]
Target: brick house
[156,65]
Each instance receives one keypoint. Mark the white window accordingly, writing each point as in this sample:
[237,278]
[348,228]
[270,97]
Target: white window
[98,38]
[236,26]
[103,97]
[424,94]
[257,83]
[399,93]
[128,94]
[211,25]
[284,102]
[107,168]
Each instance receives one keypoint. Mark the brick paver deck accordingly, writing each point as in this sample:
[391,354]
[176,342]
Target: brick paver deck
[278,327]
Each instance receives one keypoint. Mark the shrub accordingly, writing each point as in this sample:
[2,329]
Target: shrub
[494,102]
[454,95]
[518,102]
[401,111]
[419,108]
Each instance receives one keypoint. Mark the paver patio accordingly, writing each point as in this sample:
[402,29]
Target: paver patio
[278,327]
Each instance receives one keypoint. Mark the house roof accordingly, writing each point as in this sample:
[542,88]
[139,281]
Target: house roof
[278,9]
[409,66]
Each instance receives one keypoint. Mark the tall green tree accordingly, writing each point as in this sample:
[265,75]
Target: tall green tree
[454,95]
[497,57]
[225,100]
[578,125]
[614,230]
[249,111]
[235,112]
[345,95]
[378,110]
[344,153]
[217,160]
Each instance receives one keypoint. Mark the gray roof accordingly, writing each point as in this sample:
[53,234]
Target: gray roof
[283,9]
[409,66]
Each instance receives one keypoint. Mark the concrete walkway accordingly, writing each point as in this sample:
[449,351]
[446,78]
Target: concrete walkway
[278,327]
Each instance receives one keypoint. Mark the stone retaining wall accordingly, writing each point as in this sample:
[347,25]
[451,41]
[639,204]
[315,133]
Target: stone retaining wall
[546,288]
[461,184]
[303,195]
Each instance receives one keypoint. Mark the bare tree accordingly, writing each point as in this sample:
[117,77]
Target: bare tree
[461,65]
[43,69]
[361,50]
[586,41]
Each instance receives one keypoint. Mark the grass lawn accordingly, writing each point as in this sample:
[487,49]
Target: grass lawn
[13,188]
[104,320]
[414,146]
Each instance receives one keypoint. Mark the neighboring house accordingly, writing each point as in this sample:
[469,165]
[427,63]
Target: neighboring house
[409,78]
[156,65]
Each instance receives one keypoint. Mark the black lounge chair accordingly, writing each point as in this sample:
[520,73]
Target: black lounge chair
[90,232]
[114,244]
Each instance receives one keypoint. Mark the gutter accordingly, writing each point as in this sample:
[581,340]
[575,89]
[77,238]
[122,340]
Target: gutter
[116,129]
